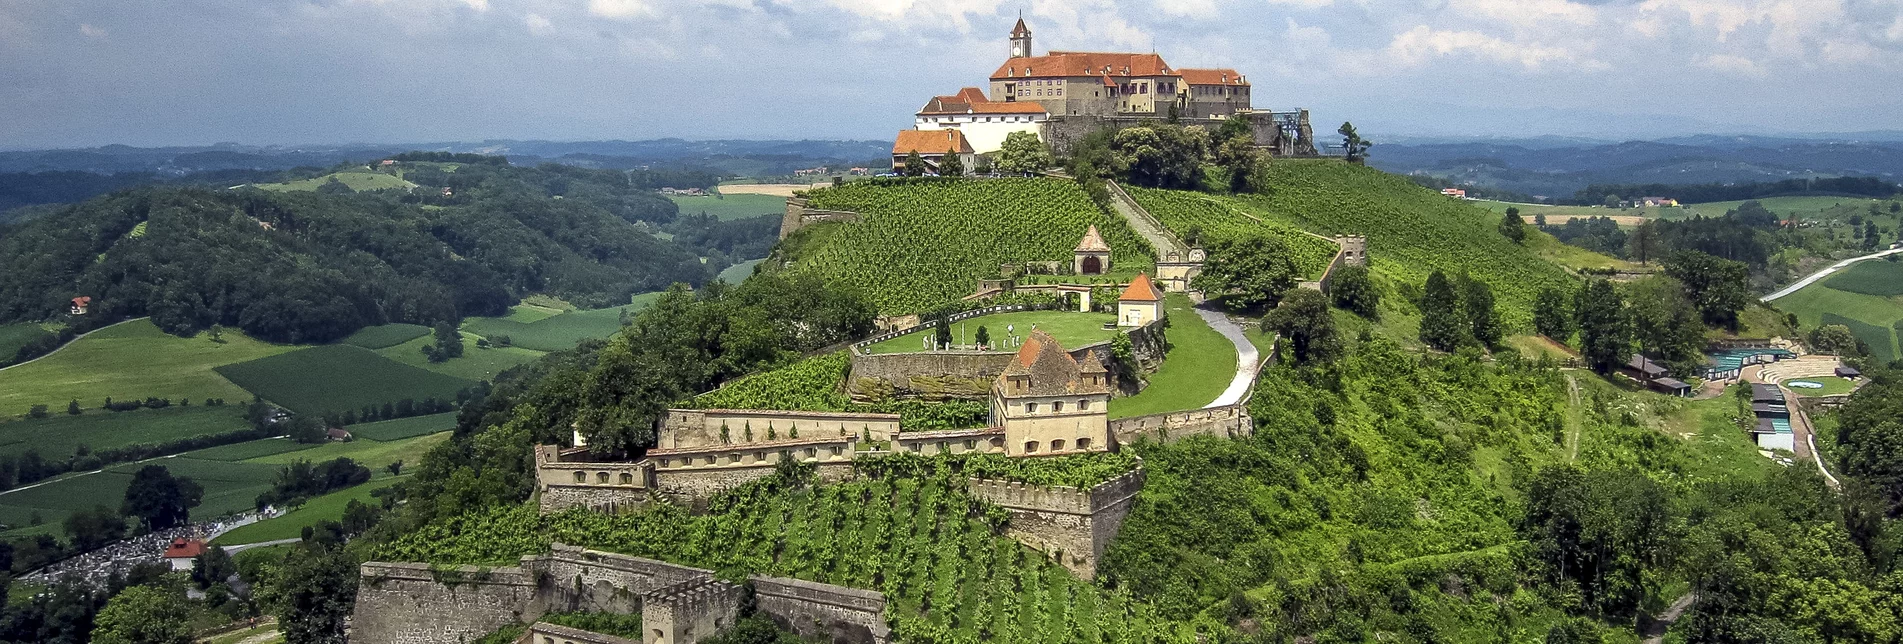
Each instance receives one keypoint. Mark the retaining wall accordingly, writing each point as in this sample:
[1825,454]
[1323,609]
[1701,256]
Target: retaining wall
[409,603]
[834,613]
[690,611]
[565,635]
[694,428]
[1229,421]
[799,215]
[1071,526]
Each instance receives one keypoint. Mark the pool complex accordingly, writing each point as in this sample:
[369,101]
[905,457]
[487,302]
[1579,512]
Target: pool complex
[1729,359]
[1782,425]
[1803,384]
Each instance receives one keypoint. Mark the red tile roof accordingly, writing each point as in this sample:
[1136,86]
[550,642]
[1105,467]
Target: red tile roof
[1051,369]
[1059,64]
[931,142]
[1020,30]
[82,300]
[1213,77]
[1141,289]
[1092,242]
[971,100]
[182,548]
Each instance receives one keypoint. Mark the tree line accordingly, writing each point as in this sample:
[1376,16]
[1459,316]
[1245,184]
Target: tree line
[1595,194]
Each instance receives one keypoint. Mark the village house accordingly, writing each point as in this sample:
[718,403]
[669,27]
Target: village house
[81,304]
[1141,303]
[181,551]
[933,146]
[1653,376]
[1050,403]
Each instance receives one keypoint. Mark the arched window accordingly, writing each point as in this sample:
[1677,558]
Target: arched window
[1030,447]
[1083,443]
[581,477]
[627,479]
[601,477]
[1030,408]
[1084,405]
[1057,445]
[1057,407]
[997,443]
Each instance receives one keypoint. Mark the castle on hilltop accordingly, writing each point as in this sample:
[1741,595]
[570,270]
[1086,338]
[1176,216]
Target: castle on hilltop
[1062,96]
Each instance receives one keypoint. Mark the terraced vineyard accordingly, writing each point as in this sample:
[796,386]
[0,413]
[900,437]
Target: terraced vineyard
[1411,230]
[923,243]
[813,384]
[1182,211]
[934,551]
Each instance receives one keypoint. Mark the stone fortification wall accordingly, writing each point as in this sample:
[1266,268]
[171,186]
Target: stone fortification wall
[1063,131]
[607,487]
[694,487]
[1229,421]
[411,603]
[690,611]
[565,635]
[694,428]
[1071,526]
[799,215]
[933,375]
[834,613]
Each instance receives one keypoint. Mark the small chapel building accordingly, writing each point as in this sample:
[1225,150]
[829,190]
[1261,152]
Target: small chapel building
[1050,403]
[1092,256]
[1141,303]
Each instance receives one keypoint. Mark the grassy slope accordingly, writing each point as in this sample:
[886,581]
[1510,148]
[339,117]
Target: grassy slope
[738,273]
[1072,329]
[1411,230]
[339,377]
[1198,367]
[740,206]
[14,336]
[375,454]
[1813,303]
[475,364]
[55,437]
[1180,211]
[390,430]
[131,360]
[357,180]
[542,328]
[385,336]
[924,244]
[1804,207]
[329,507]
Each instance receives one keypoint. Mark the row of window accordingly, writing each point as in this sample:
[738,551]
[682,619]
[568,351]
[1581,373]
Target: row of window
[1030,447]
[945,446]
[1057,407]
[736,458]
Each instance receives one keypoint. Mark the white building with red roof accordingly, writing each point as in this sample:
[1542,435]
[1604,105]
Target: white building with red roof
[933,146]
[181,551]
[1141,303]
[984,122]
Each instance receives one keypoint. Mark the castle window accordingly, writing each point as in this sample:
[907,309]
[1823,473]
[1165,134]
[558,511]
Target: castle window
[1030,447]
[601,477]
[733,458]
[667,462]
[581,477]
[1083,443]
[759,457]
[835,450]
[1057,407]
[1057,445]
[1030,408]
[970,444]
[997,443]
[627,479]
[712,460]
[941,447]
[913,447]
[811,452]
[1084,405]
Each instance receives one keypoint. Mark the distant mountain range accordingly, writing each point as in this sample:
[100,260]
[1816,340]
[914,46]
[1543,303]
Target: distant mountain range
[1560,166]
[751,158]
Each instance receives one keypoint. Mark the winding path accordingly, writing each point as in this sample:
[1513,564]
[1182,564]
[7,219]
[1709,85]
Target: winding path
[1813,277]
[1247,359]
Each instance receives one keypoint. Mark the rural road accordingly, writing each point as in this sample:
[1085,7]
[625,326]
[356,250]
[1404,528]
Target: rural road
[1655,632]
[1813,277]
[1246,357]
[69,343]
[232,550]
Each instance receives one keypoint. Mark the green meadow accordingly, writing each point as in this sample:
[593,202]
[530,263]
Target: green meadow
[545,328]
[1872,318]
[358,180]
[475,364]
[725,207]
[131,360]
[1072,329]
[59,435]
[14,336]
[339,378]
[386,335]
[1197,368]
[401,428]
[329,507]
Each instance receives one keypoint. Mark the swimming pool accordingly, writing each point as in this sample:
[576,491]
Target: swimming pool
[1730,359]
[1782,425]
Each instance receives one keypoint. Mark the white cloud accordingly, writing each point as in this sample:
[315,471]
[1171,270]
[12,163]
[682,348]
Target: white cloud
[1198,9]
[1896,30]
[621,8]
[1421,44]
[1306,4]
[1528,15]
[1733,65]
[478,5]
[90,31]
[538,25]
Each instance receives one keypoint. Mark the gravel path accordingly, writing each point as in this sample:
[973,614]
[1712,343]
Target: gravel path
[1246,357]
[1813,277]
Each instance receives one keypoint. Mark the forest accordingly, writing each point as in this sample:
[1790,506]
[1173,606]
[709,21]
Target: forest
[471,239]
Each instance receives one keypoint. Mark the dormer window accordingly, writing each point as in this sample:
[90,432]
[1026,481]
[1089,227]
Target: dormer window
[1030,408]
[1057,407]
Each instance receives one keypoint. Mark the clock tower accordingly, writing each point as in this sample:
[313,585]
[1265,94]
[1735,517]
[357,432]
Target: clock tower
[1020,40]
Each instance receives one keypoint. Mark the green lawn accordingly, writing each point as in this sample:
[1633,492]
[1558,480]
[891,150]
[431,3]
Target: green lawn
[248,450]
[738,273]
[387,335]
[358,180]
[1874,277]
[329,507]
[543,328]
[1871,317]
[1832,386]
[14,336]
[389,430]
[1072,329]
[339,377]
[230,487]
[374,454]
[55,437]
[476,363]
[731,206]
[131,360]
[1198,367]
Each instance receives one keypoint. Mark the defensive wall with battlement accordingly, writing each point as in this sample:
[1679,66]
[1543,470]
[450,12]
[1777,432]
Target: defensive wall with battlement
[1071,526]
[413,603]
[799,215]
[546,633]
[1228,421]
[692,428]
[968,375]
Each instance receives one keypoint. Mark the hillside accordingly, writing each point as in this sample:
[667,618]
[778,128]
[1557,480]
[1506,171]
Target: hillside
[925,243]
[1867,297]
[309,267]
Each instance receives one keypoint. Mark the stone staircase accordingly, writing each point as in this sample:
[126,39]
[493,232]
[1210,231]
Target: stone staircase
[1145,224]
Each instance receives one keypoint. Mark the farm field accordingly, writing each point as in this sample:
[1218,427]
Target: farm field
[1199,365]
[922,243]
[1815,208]
[1072,329]
[777,190]
[1184,212]
[337,378]
[249,449]
[14,336]
[1871,277]
[1411,230]
[731,206]
[544,328]
[358,181]
[1873,319]
[329,507]
[738,273]
[401,428]
[230,487]
[103,364]
[386,335]
[57,436]
[373,454]
[476,363]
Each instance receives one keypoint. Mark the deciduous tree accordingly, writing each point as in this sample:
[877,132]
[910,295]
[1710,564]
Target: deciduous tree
[1248,271]
[1551,317]
[144,615]
[1442,326]
[1023,153]
[1605,333]
[1303,319]
[1353,289]
[159,499]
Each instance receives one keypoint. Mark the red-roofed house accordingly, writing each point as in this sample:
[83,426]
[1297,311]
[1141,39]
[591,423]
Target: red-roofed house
[181,551]
[933,145]
[985,122]
[1141,302]
[1049,402]
[1214,93]
[80,304]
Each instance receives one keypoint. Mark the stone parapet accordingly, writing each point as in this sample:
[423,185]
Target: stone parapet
[695,428]
[1228,421]
[1071,526]
[690,611]
[834,613]
[564,635]
[413,603]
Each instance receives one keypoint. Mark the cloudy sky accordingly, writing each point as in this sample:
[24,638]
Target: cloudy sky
[148,72]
